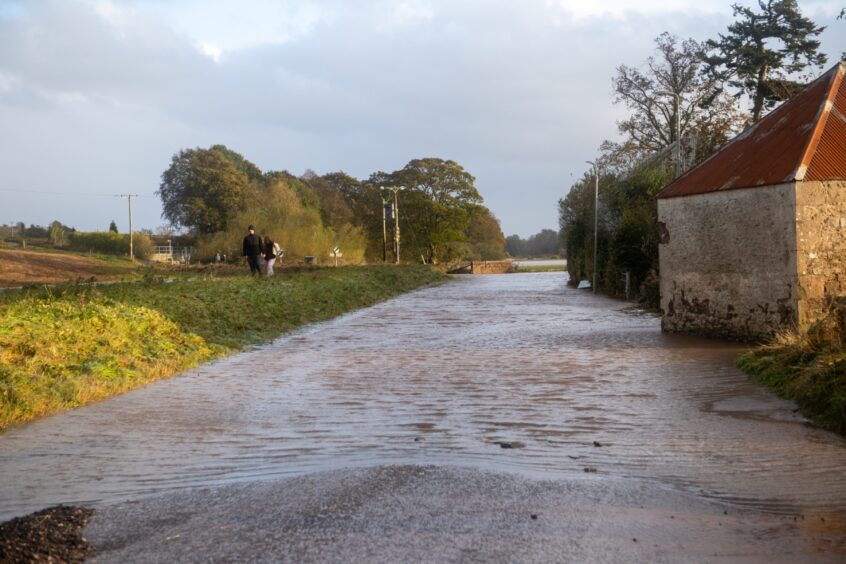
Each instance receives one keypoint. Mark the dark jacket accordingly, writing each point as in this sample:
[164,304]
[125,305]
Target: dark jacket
[268,250]
[253,246]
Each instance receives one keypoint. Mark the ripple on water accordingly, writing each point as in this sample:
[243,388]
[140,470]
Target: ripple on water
[443,375]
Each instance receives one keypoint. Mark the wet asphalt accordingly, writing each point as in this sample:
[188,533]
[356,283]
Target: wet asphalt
[445,514]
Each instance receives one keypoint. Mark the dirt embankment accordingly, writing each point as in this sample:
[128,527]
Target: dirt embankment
[18,268]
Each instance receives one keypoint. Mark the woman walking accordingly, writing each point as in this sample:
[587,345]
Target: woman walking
[270,250]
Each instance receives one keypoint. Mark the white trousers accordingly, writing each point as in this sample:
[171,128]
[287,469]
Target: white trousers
[269,267]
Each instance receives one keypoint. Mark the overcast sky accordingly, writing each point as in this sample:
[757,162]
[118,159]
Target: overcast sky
[97,95]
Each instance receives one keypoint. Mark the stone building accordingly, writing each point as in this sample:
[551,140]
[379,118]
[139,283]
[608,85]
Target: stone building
[753,240]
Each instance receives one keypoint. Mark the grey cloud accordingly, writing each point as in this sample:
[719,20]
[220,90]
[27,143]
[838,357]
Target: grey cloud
[520,99]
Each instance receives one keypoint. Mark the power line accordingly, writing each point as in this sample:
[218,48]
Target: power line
[93,195]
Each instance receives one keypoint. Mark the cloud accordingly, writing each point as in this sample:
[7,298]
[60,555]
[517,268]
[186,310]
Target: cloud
[96,96]
[406,14]
[583,12]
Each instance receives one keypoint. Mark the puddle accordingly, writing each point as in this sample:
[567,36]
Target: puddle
[442,376]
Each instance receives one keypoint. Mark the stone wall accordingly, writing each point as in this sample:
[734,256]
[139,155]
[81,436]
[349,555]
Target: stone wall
[728,262]
[821,244]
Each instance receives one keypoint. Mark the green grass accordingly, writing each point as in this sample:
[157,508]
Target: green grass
[808,368]
[541,268]
[66,346]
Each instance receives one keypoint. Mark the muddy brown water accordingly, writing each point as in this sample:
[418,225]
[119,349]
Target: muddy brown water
[440,376]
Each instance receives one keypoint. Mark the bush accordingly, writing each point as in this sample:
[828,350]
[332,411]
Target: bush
[809,368]
[298,229]
[110,243]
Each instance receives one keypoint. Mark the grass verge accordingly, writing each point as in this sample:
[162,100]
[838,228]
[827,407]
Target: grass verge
[808,368]
[540,268]
[66,346]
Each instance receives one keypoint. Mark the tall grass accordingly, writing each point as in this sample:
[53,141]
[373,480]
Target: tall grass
[809,368]
[64,347]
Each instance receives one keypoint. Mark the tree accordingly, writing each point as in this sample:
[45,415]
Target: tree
[545,243]
[335,211]
[762,50]
[445,182]
[485,235]
[251,171]
[842,16]
[37,232]
[202,190]
[515,246]
[56,233]
[365,201]
[650,93]
[575,220]
[113,227]
[436,207]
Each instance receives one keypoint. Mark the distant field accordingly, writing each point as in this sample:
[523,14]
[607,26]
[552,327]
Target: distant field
[19,268]
[543,265]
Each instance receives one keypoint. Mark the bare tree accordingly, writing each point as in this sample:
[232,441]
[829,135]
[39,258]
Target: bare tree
[670,87]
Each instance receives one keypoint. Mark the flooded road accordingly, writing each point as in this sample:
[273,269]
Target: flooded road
[441,376]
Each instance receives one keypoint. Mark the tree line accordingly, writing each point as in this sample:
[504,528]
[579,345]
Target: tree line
[216,192]
[684,103]
[544,244]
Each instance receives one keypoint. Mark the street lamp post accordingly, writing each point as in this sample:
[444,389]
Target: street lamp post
[595,220]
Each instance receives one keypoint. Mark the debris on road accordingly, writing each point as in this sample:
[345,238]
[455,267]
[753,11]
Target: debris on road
[50,535]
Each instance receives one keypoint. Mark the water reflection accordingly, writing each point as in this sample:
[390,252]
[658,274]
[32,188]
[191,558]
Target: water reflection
[441,376]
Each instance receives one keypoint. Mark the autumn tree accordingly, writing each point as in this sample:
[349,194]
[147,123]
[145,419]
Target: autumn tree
[484,234]
[365,201]
[251,171]
[335,212]
[202,190]
[57,233]
[762,52]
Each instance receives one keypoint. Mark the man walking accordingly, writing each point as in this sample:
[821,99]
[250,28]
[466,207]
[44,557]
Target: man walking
[253,248]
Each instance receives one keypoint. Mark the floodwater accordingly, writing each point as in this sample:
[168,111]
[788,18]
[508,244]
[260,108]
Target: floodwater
[440,376]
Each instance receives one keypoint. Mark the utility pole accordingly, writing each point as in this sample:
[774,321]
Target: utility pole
[397,231]
[384,230]
[395,190]
[595,220]
[129,201]
[677,98]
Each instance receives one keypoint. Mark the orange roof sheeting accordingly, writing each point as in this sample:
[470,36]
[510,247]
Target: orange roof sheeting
[803,139]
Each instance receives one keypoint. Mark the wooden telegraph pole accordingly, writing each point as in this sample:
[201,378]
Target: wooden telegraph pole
[129,201]
[395,190]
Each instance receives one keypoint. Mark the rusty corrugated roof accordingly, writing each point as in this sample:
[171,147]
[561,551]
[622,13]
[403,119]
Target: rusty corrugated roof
[803,139]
